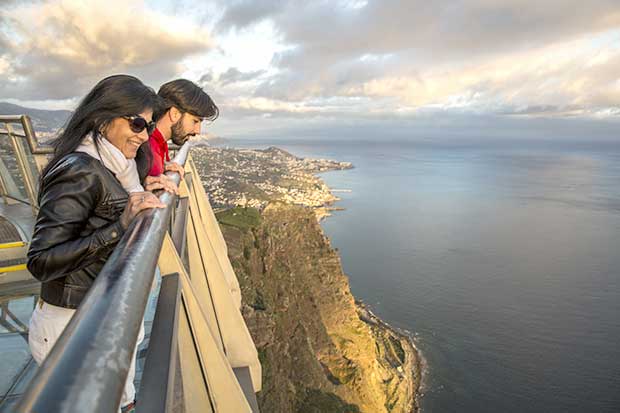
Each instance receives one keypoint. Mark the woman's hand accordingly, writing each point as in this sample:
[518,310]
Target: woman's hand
[137,202]
[152,183]
[174,167]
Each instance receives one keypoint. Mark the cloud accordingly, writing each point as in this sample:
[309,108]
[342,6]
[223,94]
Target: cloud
[568,74]
[572,78]
[510,57]
[239,14]
[234,75]
[206,78]
[60,49]
[433,31]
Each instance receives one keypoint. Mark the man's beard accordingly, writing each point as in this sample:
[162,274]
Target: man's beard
[178,135]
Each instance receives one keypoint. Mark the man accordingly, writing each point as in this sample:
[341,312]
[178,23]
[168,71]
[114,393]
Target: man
[186,106]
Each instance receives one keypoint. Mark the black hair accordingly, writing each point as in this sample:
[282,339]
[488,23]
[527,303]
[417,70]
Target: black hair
[186,96]
[112,97]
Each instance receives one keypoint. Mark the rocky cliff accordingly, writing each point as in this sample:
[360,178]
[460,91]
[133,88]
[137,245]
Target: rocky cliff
[320,351]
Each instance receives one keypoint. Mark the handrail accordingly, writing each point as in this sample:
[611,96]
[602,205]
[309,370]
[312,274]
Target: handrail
[87,368]
[35,147]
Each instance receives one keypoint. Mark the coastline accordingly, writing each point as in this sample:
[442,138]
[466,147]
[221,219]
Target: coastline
[414,358]
[256,178]
[411,350]
[317,352]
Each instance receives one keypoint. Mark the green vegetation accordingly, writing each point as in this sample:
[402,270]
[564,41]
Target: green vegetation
[249,189]
[318,401]
[259,302]
[240,217]
[343,371]
[247,253]
[397,347]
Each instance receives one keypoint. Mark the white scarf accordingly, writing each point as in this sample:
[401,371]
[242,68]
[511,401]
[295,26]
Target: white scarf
[112,158]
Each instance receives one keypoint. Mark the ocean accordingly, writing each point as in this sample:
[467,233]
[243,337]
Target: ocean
[502,258]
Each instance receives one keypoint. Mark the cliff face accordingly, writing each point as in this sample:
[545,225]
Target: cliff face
[316,352]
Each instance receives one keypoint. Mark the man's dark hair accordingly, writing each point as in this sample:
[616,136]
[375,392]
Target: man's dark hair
[188,97]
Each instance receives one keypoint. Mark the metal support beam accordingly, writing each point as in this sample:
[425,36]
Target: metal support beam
[157,387]
[180,223]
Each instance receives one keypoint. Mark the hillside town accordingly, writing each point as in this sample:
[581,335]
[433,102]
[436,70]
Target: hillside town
[254,177]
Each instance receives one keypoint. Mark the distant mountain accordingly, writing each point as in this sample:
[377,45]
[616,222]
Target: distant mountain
[42,120]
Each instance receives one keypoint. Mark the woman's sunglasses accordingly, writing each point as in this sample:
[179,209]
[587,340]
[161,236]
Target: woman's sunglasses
[137,124]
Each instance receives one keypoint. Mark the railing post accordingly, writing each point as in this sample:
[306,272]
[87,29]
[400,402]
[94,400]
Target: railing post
[22,162]
[157,386]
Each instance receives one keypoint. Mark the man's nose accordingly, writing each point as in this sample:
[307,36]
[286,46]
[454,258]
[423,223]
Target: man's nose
[197,128]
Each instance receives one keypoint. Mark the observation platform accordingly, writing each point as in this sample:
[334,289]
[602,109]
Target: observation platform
[170,269]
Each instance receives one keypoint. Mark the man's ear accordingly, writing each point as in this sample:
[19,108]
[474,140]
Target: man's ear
[174,114]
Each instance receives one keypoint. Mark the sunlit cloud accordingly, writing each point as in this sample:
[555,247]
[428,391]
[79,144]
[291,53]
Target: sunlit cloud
[566,75]
[59,49]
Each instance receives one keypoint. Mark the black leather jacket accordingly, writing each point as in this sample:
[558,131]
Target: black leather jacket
[77,228]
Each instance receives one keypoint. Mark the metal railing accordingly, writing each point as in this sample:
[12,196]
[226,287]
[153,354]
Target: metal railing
[95,350]
[35,147]
[200,350]
[30,158]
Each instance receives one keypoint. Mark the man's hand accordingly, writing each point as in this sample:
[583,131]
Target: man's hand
[153,183]
[174,167]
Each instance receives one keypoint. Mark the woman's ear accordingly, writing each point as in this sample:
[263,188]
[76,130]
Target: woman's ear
[102,128]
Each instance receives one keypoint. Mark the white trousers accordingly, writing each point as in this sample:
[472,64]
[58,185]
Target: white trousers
[47,324]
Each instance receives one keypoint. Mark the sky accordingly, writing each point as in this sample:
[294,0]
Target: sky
[354,69]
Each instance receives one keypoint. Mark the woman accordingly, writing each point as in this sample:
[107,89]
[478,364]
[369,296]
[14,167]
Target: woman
[89,193]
